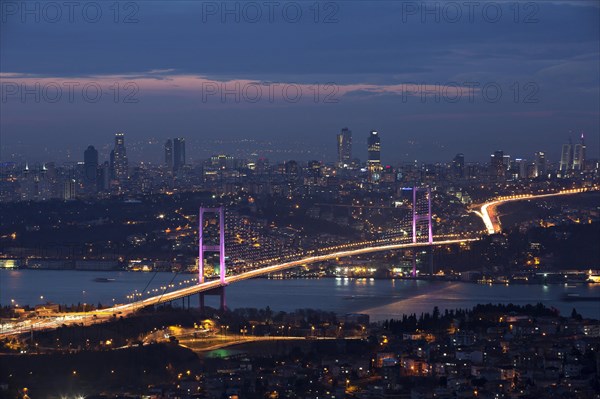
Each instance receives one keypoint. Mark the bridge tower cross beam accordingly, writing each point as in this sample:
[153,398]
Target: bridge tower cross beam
[202,247]
[416,217]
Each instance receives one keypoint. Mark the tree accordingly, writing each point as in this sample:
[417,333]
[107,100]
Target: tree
[436,313]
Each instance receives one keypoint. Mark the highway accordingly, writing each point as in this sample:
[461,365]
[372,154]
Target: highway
[97,316]
[487,213]
[194,344]
[490,217]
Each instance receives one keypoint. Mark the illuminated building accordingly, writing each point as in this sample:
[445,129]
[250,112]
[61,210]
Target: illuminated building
[169,154]
[119,159]
[374,158]
[90,173]
[497,168]
[579,155]
[540,164]
[344,147]
[566,159]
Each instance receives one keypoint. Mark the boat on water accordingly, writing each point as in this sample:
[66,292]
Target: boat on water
[104,280]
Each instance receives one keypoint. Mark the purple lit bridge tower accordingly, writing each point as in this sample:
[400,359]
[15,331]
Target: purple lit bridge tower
[420,215]
[220,248]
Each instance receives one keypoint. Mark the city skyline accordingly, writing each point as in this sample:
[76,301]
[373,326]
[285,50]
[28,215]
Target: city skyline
[572,155]
[152,150]
[300,199]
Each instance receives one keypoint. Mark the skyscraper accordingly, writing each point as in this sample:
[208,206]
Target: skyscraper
[579,155]
[178,153]
[374,147]
[292,171]
[112,164]
[68,189]
[374,158]
[540,165]
[169,154]
[458,166]
[120,164]
[519,169]
[104,177]
[566,159]
[344,147]
[497,167]
[90,169]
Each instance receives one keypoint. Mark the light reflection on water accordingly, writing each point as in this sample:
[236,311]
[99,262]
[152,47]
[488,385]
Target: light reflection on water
[379,298]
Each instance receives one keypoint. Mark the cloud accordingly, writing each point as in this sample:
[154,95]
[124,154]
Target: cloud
[165,82]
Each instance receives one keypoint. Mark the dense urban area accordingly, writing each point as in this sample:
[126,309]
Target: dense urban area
[491,351]
[144,217]
[113,215]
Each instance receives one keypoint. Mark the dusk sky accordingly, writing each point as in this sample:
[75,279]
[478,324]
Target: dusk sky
[429,87]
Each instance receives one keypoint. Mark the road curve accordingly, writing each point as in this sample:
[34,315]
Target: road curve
[125,309]
[490,217]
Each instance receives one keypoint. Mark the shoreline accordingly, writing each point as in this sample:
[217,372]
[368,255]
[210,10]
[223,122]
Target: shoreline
[267,277]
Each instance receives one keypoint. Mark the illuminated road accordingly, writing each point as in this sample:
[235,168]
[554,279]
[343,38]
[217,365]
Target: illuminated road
[490,217]
[195,344]
[487,213]
[97,316]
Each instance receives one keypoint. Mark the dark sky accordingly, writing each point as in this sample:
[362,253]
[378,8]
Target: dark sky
[426,75]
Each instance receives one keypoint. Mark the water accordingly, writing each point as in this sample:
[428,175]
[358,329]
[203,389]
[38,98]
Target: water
[380,299]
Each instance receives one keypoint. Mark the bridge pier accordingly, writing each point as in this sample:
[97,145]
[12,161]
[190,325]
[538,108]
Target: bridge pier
[216,291]
[430,250]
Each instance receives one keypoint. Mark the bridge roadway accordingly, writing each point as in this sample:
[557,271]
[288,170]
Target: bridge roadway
[491,218]
[96,316]
[195,289]
[487,213]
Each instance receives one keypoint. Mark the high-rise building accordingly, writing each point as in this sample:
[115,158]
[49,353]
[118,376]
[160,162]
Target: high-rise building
[120,165]
[111,164]
[374,147]
[506,162]
[374,158]
[579,155]
[292,170]
[497,167]
[344,147]
[519,169]
[458,166]
[178,153]
[104,177]
[566,159]
[90,169]
[169,154]
[68,192]
[541,171]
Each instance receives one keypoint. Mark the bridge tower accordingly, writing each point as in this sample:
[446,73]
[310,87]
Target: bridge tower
[220,248]
[202,247]
[418,217]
